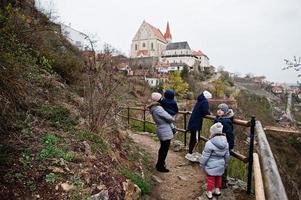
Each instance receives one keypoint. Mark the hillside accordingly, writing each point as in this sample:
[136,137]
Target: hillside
[253,100]
[51,144]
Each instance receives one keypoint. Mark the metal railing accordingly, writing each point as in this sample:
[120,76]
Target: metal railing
[273,186]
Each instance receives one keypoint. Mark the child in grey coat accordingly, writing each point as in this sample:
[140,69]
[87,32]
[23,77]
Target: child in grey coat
[214,159]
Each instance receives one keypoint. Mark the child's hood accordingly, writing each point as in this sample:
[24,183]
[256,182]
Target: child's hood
[229,114]
[220,142]
[169,94]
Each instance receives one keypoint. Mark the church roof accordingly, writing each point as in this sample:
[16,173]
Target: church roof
[177,45]
[167,34]
[158,34]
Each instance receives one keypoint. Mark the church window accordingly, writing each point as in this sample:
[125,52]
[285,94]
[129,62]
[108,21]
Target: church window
[152,46]
[136,47]
[143,44]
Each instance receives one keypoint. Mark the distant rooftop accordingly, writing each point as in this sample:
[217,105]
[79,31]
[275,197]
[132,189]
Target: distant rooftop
[178,45]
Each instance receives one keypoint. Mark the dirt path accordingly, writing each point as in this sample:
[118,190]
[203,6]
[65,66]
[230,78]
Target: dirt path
[184,180]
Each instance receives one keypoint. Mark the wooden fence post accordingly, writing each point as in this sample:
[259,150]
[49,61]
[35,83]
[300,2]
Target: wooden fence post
[185,126]
[251,148]
[128,115]
[144,119]
[259,188]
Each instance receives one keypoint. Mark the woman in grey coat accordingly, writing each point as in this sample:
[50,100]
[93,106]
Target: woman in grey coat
[164,132]
[214,159]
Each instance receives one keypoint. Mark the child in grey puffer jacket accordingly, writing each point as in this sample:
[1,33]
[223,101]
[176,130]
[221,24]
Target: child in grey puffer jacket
[214,159]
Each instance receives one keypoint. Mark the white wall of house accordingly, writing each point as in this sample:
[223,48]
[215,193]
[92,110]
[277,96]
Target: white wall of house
[170,69]
[177,52]
[152,82]
[188,60]
[204,61]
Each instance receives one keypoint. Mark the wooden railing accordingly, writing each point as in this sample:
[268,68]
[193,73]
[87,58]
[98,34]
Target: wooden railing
[270,186]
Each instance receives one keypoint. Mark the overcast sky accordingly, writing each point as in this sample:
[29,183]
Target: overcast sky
[241,35]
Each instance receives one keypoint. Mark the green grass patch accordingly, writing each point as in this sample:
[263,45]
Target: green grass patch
[77,181]
[26,157]
[52,150]
[138,126]
[51,178]
[138,180]
[55,152]
[96,141]
[237,169]
[58,116]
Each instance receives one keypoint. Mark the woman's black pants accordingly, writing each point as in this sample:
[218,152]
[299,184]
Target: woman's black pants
[192,141]
[162,154]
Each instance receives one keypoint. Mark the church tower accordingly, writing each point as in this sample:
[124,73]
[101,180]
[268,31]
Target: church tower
[167,34]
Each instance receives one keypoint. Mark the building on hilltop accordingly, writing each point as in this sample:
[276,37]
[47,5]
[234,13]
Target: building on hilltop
[178,53]
[148,44]
[149,41]
[202,59]
[76,37]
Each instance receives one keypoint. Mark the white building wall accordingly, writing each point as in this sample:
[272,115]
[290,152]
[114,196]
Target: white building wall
[158,47]
[184,60]
[152,82]
[177,52]
[204,61]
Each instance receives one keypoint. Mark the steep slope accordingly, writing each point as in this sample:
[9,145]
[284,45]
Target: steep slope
[47,148]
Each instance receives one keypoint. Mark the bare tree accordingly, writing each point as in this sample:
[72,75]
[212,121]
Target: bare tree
[295,64]
[101,87]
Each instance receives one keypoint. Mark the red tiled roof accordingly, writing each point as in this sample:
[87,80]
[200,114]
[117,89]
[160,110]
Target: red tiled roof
[167,34]
[163,64]
[142,52]
[198,53]
[157,33]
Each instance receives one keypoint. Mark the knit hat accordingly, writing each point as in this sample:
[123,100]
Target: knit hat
[156,96]
[207,94]
[224,107]
[216,128]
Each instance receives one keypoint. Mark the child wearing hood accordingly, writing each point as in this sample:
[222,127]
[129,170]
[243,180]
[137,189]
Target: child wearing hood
[214,159]
[170,106]
[225,117]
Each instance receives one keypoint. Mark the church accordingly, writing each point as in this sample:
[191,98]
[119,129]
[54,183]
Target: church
[149,41]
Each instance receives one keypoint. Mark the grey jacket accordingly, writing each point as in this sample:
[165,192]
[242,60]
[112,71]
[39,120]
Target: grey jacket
[215,156]
[163,121]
